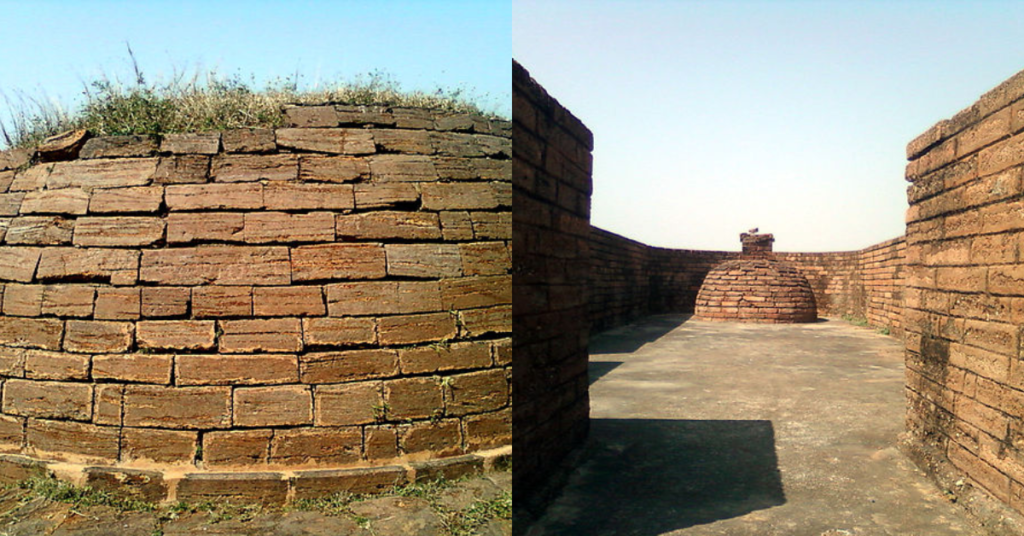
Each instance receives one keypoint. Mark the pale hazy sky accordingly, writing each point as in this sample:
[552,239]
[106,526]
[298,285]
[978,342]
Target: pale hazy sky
[50,47]
[713,117]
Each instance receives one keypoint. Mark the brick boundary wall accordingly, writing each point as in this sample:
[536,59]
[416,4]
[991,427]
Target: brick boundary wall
[551,221]
[262,315]
[629,280]
[965,296]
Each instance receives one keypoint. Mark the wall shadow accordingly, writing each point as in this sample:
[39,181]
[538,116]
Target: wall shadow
[597,369]
[629,338]
[644,477]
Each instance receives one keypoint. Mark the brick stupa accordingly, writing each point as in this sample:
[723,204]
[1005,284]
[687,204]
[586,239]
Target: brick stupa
[756,288]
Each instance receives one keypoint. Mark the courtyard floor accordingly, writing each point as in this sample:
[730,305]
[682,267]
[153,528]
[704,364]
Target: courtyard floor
[702,428]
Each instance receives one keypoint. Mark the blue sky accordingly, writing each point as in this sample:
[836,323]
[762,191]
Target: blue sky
[793,116]
[51,47]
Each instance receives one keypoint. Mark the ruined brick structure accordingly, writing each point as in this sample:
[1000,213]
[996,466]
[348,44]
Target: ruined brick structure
[756,288]
[965,295]
[551,189]
[629,280]
[260,314]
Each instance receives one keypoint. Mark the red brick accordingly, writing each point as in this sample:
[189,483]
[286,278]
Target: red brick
[478,322]
[501,350]
[43,333]
[240,488]
[197,369]
[217,265]
[327,140]
[403,141]
[412,329]
[119,266]
[214,196]
[292,196]
[1006,280]
[72,441]
[455,356]
[311,116]
[441,438]
[196,408]
[62,201]
[404,225]
[1007,153]
[270,227]
[176,334]
[463,169]
[333,168]
[383,297]
[338,261]
[381,443]
[187,169]
[43,365]
[402,168]
[211,226]
[68,300]
[252,168]
[161,446]
[338,331]
[164,301]
[127,200]
[57,400]
[492,225]
[191,143]
[349,404]
[287,405]
[95,337]
[385,195]
[485,258]
[365,115]
[23,300]
[108,404]
[470,292]
[117,303]
[12,434]
[18,264]
[424,260]
[319,446]
[40,230]
[288,301]
[456,225]
[477,392]
[270,335]
[118,173]
[463,196]
[248,140]
[31,179]
[141,368]
[210,302]
[336,367]
[413,398]
[488,430]
[118,231]
[10,203]
[236,447]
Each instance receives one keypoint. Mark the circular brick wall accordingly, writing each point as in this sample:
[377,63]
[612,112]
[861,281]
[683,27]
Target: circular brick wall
[756,290]
[318,307]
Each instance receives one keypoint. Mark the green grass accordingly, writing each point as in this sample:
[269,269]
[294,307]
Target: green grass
[456,523]
[205,102]
[856,320]
[81,496]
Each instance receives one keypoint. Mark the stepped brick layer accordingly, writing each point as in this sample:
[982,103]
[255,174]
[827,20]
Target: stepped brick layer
[756,290]
[330,294]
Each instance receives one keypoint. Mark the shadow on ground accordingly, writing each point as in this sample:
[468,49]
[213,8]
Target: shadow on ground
[645,477]
[628,339]
[597,369]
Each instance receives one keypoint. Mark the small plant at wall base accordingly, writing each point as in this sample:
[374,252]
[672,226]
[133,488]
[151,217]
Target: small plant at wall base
[856,320]
[207,101]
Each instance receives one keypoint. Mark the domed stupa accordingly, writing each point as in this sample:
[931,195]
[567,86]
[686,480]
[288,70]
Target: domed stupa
[756,288]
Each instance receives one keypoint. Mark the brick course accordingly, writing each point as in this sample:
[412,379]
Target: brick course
[241,299]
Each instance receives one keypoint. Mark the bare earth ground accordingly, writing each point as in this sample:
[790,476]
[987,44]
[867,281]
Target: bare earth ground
[23,514]
[703,428]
